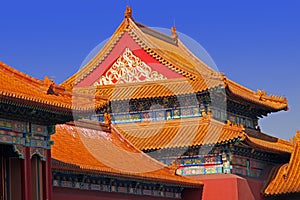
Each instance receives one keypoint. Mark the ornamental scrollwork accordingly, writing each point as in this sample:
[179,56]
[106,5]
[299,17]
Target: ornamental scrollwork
[129,68]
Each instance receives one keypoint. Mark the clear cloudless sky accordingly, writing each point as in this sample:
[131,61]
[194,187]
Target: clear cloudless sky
[255,43]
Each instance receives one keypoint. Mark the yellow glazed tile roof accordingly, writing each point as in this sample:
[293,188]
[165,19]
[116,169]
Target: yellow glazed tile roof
[195,132]
[287,178]
[176,57]
[179,133]
[17,86]
[107,153]
[149,89]
[278,145]
[261,97]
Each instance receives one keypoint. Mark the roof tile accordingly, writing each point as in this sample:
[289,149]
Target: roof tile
[179,133]
[107,153]
[178,58]
[16,85]
[287,178]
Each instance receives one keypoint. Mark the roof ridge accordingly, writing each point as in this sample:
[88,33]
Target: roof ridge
[27,79]
[101,55]
[156,52]
[156,33]
[180,44]
[18,74]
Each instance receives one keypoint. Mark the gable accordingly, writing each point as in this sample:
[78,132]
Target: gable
[149,68]
[129,68]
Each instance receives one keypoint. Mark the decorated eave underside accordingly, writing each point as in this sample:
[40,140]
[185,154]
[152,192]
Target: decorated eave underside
[285,180]
[198,132]
[173,54]
[38,101]
[107,153]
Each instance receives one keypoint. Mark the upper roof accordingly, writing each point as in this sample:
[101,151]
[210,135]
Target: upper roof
[149,89]
[25,90]
[287,178]
[170,54]
[107,153]
[196,132]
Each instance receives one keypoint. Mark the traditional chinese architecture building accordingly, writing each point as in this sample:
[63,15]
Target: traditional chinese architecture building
[91,161]
[30,110]
[168,103]
[168,124]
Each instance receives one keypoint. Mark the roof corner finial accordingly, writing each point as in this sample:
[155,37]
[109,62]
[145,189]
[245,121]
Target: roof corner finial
[128,12]
[49,85]
[174,34]
[296,138]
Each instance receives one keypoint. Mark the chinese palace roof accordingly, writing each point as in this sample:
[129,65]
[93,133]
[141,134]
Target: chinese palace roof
[17,85]
[179,133]
[287,178]
[196,132]
[174,64]
[108,153]
[22,89]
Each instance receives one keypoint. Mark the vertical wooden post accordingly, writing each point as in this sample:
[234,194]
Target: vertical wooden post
[45,180]
[26,176]
[47,174]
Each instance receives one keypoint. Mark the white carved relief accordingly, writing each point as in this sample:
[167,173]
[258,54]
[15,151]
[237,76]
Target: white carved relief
[128,68]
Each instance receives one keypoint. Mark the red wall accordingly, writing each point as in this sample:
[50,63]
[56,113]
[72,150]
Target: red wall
[230,187]
[75,194]
[192,194]
[256,187]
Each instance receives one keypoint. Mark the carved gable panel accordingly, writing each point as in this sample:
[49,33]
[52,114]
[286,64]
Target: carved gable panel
[129,68]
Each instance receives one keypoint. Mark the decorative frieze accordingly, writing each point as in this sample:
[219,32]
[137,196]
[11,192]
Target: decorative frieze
[117,186]
[199,170]
[16,126]
[152,115]
[39,130]
[246,166]
[24,134]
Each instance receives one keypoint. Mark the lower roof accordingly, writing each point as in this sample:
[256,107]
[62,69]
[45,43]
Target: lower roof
[108,153]
[189,132]
[179,133]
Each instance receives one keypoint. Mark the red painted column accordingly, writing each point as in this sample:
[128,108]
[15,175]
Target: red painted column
[45,180]
[26,176]
[47,174]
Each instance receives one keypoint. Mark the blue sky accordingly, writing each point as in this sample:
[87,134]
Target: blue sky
[255,43]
